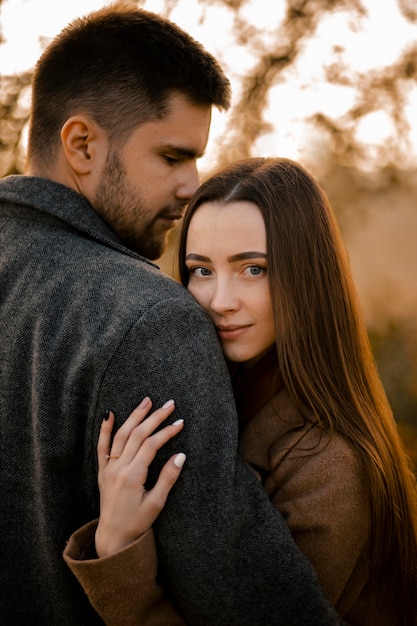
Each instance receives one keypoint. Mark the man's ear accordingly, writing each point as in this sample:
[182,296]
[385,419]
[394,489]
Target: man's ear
[80,137]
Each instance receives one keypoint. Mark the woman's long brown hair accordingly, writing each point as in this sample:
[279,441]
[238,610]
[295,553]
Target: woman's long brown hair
[324,353]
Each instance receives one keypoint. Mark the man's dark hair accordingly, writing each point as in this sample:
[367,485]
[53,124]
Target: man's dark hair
[120,66]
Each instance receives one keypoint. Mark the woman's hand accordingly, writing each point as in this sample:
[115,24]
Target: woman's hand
[127,510]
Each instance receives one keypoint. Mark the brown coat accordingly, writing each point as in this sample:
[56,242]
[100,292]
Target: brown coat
[313,480]
[122,588]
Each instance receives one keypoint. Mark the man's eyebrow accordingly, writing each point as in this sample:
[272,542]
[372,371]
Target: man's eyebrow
[180,151]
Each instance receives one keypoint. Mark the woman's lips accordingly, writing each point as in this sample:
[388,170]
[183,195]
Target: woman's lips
[230,332]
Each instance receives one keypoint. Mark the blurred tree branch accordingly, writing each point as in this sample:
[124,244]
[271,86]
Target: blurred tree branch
[379,90]
[275,54]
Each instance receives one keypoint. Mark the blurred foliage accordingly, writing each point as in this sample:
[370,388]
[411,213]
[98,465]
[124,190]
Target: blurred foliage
[395,349]
[14,110]
[362,180]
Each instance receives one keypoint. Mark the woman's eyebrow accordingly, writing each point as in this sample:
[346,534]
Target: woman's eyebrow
[246,255]
[197,257]
[242,256]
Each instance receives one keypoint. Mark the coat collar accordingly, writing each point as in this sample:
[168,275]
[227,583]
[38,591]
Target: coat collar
[63,203]
[255,387]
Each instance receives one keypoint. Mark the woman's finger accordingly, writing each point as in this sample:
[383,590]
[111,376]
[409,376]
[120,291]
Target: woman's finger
[104,440]
[156,498]
[127,443]
[147,451]
[135,418]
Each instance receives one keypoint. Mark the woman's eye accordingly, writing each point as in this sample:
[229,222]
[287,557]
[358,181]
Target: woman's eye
[201,272]
[255,270]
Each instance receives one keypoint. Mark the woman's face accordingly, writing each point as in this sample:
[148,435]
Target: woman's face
[226,259]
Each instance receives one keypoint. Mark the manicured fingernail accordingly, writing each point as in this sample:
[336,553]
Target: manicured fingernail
[106,415]
[179,459]
[167,404]
[144,402]
[180,421]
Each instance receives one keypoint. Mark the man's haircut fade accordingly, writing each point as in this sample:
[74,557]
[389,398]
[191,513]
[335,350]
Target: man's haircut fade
[119,65]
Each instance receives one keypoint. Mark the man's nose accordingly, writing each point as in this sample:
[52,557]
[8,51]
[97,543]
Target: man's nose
[189,181]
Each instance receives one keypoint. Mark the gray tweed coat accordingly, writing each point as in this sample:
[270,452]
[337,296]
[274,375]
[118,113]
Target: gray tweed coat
[87,325]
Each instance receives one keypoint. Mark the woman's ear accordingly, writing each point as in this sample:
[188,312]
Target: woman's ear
[80,138]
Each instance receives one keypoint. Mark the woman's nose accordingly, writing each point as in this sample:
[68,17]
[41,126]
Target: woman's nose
[224,297]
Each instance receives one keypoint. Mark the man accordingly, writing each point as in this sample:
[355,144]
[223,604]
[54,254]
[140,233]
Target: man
[120,113]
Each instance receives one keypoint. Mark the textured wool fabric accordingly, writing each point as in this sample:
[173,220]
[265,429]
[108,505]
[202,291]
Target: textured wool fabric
[88,325]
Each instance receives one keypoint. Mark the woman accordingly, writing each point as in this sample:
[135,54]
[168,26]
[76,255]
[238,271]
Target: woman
[260,250]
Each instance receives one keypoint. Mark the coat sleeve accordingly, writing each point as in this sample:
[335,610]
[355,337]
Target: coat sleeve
[122,588]
[225,554]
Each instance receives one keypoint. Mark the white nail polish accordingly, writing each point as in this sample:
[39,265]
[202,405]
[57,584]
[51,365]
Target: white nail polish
[167,404]
[180,421]
[179,459]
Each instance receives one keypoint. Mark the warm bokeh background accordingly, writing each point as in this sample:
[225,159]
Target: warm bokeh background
[330,83]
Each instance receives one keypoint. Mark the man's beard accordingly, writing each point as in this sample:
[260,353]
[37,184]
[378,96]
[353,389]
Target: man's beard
[124,210]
